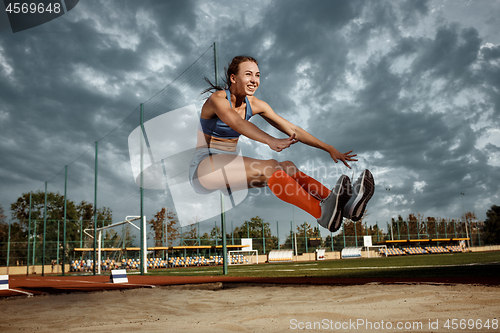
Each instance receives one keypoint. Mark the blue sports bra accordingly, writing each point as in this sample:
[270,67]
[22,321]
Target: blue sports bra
[217,128]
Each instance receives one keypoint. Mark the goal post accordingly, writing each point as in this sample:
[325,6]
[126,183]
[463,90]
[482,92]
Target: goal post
[128,220]
[242,257]
[376,246]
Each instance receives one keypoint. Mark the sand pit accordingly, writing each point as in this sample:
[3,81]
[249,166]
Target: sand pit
[221,307]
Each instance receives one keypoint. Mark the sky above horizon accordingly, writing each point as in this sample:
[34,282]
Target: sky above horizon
[412,87]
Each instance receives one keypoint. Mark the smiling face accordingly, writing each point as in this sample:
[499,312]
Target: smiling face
[246,80]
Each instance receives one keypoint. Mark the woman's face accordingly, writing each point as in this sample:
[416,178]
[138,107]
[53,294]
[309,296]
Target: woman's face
[247,80]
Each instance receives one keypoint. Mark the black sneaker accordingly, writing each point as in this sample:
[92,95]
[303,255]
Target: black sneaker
[333,205]
[363,190]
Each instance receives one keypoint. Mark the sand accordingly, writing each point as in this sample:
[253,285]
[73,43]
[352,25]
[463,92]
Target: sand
[258,308]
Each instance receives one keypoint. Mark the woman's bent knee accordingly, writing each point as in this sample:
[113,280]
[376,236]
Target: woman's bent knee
[289,167]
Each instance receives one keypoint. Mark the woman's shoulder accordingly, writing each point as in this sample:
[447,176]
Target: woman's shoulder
[258,105]
[212,103]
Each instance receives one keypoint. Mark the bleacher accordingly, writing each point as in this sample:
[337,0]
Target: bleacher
[419,250]
[237,259]
[436,249]
[414,250]
[391,252]
[81,266]
[454,248]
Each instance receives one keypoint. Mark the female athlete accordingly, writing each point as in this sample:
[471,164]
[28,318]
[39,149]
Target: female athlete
[225,116]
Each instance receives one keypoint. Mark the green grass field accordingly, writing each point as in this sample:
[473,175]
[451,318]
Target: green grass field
[477,264]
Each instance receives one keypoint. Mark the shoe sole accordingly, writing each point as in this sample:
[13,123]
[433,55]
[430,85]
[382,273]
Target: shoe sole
[342,199]
[366,190]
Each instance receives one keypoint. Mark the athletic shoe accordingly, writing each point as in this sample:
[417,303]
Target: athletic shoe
[333,205]
[362,192]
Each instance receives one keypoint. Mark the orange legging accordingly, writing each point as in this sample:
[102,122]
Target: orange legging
[300,190]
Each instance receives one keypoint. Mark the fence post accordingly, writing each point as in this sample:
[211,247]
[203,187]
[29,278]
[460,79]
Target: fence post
[95,209]
[44,230]
[331,239]
[64,223]
[305,236]
[34,244]
[57,244]
[8,247]
[278,233]
[343,232]
[263,238]
[355,233]
[29,236]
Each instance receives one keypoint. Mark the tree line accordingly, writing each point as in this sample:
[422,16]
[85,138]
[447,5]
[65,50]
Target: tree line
[165,230]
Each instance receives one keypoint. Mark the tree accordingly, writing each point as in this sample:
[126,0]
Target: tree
[157,228]
[168,216]
[253,229]
[78,217]
[492,225]
[191,236]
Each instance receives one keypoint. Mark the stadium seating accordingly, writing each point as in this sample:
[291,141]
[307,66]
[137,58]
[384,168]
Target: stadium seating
[436,249]
[455,248]
[392,252]
[414,250]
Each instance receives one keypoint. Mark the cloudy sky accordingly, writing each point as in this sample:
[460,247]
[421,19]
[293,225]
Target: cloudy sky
[411,86]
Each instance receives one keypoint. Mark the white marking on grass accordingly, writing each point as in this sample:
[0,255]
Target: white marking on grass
[393,267]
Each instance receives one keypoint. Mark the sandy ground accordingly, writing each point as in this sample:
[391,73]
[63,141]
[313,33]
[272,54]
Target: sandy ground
[259,308]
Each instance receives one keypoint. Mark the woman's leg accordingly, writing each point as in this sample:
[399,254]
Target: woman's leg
[223,171]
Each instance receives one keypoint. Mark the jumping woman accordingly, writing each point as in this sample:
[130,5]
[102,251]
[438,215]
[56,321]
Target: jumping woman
[225,116]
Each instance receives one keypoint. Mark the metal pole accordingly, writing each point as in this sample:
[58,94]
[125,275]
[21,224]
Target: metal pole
[57,250]
[248,230]
[355,233]
[378,233]
[224,245]
[65,212]
[465,218]
[343,232]
[34,244]
[216,241]
[232,233]
[278,233]
[143,231]
[29,236]
[95,210]
[263,238]
[199,241]
[305,237]
[8,249]
[44,230]
[331,239]
[222,215]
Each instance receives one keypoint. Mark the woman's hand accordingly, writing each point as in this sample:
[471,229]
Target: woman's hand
[280,144]
[336,155]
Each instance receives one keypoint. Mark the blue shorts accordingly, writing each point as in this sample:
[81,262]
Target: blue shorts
[199,155]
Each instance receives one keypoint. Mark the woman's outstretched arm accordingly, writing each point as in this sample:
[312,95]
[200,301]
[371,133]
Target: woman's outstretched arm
[301,135]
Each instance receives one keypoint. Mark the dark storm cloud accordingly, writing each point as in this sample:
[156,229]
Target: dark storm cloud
[412,101]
